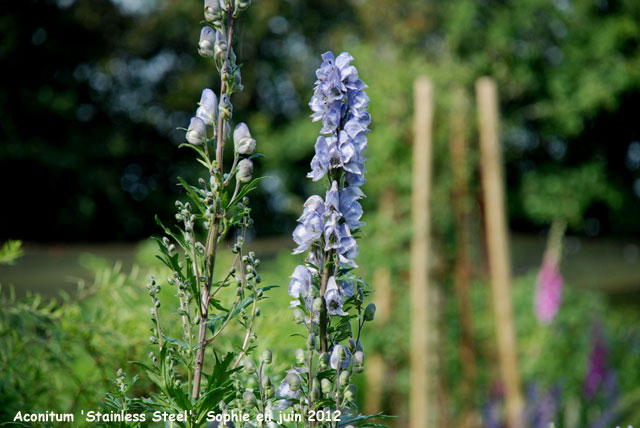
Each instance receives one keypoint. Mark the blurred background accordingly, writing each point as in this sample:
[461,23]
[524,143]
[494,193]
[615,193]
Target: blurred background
[94,93]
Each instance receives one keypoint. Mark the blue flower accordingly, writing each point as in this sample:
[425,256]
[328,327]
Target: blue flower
[288,390]
[197,132]
[350,207]
[333,298]
[311,224]
[243,143]
[207,41]
[340,357]
[300,282]
[208,110]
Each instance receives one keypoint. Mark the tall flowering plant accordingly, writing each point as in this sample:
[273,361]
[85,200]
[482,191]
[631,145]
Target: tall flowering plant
[195,373]
[328,298]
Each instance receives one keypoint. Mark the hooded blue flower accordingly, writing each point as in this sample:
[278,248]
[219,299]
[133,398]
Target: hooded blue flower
[334,298]
[311,224]
[340,363]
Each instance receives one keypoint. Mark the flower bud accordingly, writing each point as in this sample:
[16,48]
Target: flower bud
[317,305]
[267,356]
[237,81]
[358,362]
[227,72]
[315,391]
[369,312]
[323,361]
[225,107]
[245,169]
[326,386]
[220,47]
[197,132]
[242,4]
[249,367]
[207,42]
[311,342]
[208,110]
[251,383]
[344,377]
[266,382]
[226,5]
[298,316]
[293,380]
[249,399]
[212,11]
[242,141]
[350,393]
[299,357]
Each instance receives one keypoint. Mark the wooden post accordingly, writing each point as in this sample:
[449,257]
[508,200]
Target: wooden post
[462,269]
[421,405]
[498,248]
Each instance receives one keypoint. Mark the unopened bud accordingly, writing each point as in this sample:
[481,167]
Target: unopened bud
[299,357]
[220,47]
[317,305]
[249,399]
[249,367]
[245,169]
[293,380]
[323,361]
[311,342]
[344,377]
[267,356]
[350,393]
[225,107]
[298,316]
[326,386]
[369,312]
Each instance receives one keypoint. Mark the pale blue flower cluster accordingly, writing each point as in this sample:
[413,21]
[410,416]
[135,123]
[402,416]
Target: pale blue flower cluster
[339,101]
[326,225]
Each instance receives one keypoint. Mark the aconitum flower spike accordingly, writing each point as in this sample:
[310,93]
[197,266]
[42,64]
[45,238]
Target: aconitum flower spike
[207,41]
[243,143]
[197,131]
[245,169]
[208,110]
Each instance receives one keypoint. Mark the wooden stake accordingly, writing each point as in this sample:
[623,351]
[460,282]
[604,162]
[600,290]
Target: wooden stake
[498,248]
[421,406]
[462,269]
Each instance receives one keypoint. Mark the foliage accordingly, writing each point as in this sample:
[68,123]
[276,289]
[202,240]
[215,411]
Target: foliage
[10,252]
[566,194]
[69,345]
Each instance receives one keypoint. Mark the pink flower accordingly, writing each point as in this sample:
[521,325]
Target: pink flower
[548,291]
